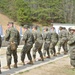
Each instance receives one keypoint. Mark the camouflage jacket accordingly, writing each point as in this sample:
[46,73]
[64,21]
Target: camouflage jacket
[35,35]
[71,41]
[54,37]
[69,35]
[47,37]
[63,35]
[12,33]
[38,36]
[28,37]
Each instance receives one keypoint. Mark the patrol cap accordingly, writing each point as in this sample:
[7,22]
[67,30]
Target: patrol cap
[26,26]
[10,23]
[60,28]
[69,28]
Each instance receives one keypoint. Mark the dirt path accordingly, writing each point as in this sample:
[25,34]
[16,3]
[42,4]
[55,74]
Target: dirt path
[4,20]
[60,67]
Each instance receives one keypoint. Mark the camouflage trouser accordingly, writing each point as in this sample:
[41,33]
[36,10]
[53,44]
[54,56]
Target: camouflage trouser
[63,45]
[72,53]
[46,49]
[52,47]
[26,50]
[37,47]
[72,62]
[9,54]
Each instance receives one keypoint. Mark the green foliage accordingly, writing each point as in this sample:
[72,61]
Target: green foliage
[23,16]
[42,11]
[18,10]
[69,71]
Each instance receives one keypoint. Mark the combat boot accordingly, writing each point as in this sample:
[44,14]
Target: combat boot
[54,54]
[7,67]
[0,68]
[58,52]
[34,60]
[0,72]
[42,59]
[31,62]
[48,57]
[72,67]
[65,52]
[22,63]
[15,65]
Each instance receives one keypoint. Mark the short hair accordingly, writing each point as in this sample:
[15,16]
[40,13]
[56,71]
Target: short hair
[10,23]
[35,27]
[46,28]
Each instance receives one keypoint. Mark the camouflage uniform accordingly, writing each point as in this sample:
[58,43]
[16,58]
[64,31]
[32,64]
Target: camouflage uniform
[47,39]
[13,34]
[38,44]
[71,42]
[54,40]
[29,40]
[63,37]
[69,36]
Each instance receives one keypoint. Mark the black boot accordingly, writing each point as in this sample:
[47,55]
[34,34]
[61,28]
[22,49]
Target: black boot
[0,72]
[31,62]
[15,65]
[42,59]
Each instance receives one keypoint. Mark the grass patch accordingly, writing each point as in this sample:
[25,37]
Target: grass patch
[38,67]
[69,71]
[22,72]
[27,71]
[51,63]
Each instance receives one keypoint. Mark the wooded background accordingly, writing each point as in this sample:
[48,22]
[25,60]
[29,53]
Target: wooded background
[39,11]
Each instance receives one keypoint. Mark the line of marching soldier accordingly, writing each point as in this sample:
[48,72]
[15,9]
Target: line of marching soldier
[35,40]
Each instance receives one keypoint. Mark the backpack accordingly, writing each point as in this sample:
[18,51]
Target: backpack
[13,45]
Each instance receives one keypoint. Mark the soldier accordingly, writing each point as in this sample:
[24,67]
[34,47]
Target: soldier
[71,43]
[69,34]
[29,40]
[54,40]
[12,35]
[47,39]
[38,43]
[0,47]
[63,37]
